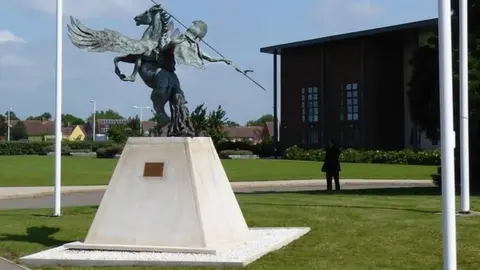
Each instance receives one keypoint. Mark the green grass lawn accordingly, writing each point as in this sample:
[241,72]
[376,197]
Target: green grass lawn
[38,170]
[370,229]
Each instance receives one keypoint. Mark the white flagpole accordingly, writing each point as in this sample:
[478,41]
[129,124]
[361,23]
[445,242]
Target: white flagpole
[58,111]
[447,135]
[464,143]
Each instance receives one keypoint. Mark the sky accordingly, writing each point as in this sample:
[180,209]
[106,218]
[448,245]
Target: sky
[238,29]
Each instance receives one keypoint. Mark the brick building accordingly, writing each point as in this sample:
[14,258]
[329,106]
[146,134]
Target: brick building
[351,88]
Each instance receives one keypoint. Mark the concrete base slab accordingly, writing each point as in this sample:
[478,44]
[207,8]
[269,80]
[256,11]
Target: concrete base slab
[106,247]
[261,242]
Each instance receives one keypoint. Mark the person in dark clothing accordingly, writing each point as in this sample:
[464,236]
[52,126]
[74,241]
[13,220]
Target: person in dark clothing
[331,165]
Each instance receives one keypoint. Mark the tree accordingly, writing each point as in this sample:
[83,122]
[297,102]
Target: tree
[3,126]
[73,120]
[108,114]
[121,133]
[424,88]
[44,116]
[209,124]
[13,116]
[260,121]
[19,131]
[232,124]
[117,133]
[216,120]
[198,117]
[134,127]
[423,95]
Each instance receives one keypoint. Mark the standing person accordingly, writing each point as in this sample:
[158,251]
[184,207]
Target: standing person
[331,165]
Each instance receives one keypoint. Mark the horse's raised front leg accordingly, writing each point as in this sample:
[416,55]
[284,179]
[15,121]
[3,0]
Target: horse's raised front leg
[136,68]
[127,59]
[117,69]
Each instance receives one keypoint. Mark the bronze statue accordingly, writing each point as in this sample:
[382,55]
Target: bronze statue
[154,56]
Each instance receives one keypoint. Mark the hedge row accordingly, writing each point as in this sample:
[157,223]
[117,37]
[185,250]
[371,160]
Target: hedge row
[264,149]
[41,148]
[427,157]
[109,150]
[225,154]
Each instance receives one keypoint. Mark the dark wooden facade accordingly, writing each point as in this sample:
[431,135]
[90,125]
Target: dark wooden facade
[348,89]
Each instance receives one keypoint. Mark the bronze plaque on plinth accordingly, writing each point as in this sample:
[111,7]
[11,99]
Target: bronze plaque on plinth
[153,169]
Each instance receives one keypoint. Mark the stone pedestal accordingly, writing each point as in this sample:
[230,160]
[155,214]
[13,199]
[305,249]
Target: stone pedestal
[167,194]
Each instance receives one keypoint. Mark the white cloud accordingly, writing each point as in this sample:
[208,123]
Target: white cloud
[13,60]
[86,8]
[347,15]
[7,36]
[365,9]
[9,59]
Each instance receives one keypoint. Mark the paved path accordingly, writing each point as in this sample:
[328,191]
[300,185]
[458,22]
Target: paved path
[251,186]
[8,265]
[41,197]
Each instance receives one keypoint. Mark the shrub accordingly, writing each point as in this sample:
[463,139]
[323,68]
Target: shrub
[91,145]
[263,149]
[227,145]
[474,170]
[109,152]
[66,151]
[266,149]
[427,157]
[227,153]
[40,147]
[23,148]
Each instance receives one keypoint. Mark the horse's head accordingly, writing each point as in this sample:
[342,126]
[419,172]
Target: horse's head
[147,17]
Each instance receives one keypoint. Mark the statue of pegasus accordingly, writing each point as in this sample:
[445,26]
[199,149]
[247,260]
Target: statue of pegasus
[154,56]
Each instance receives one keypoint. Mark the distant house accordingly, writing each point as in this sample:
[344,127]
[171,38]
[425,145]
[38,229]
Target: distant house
[251,134]
[73,133]
[39,130]
[102,126]
[267,131]
[147,127]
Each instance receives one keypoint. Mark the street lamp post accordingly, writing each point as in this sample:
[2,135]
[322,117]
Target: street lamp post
[9,125]
[94,116]
[141,115]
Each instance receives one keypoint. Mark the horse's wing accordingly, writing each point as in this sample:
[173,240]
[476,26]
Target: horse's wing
[105,40]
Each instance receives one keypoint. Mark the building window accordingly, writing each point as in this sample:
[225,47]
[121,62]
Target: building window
[303,105]
[309,98]
[312,104]
[349,102]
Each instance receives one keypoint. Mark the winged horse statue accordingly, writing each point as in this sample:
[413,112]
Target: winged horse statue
[154,57]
